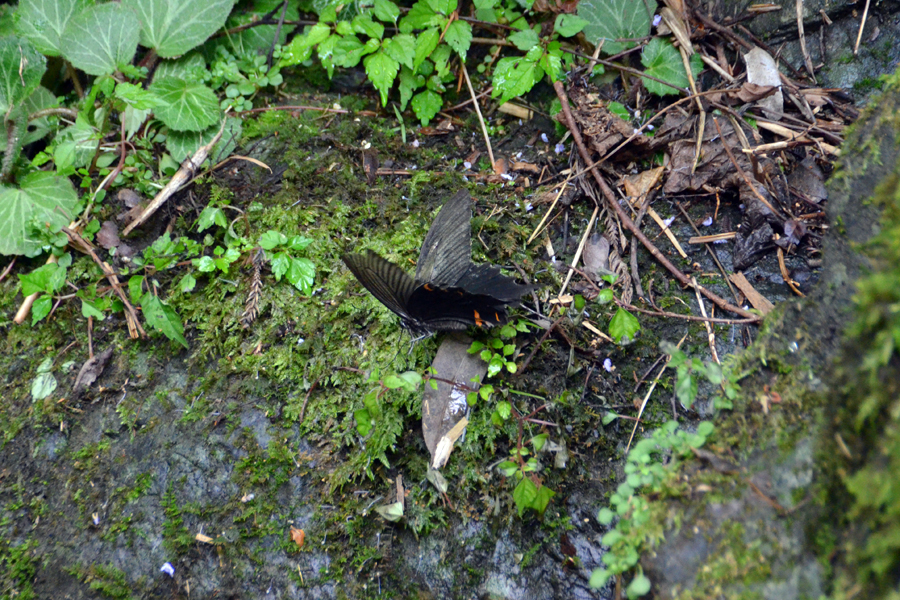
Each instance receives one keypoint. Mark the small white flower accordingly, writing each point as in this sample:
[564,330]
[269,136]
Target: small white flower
[560,148]
[707,221]
[528,207]
[507,176]
[168,569]
[719,241]
[544,138]
[467,164]
[608,366]
[668,221]
[650,127]
[415,143]
[636,132]
[656,20]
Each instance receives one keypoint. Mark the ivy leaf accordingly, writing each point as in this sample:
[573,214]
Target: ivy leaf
[173,28]
[525,40]
[514,77]
[402,48]
[101,38]
[459,37]
[663,61]
[623,326]
[190,106]
[568,25]
[42,22]
[610,20]
[426,104]
[426,42]
[16,85]
[386,11]
[42,197]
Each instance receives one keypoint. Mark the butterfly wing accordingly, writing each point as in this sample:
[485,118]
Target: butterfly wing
[487,280]
[447,250]
[385,280]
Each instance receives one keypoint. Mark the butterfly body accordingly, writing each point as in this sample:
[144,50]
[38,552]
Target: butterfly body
[448,292]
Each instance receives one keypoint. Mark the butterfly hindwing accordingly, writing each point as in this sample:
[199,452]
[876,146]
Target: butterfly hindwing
[447,309]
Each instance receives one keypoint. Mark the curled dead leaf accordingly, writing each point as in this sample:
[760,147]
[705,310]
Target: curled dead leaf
[298,535]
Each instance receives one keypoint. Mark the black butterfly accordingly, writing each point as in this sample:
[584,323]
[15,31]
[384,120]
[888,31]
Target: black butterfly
[449,291]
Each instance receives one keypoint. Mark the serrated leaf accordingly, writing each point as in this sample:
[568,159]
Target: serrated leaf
[100,38]
[686,388]
[402,48]
[525,40]
[382,70]
[163,318]
[349,50]
[386,11]
[426,104]
[568,25]
[514,77]
[421,16]
[459,37]
[623,325]
[663,61]
[301,46]
[364,24]
[302,274]
[21,69]
[42,198]
[426,42]
[551,61]
[137,97]
[610,20]
[191,106]
[174,27]
[42,22]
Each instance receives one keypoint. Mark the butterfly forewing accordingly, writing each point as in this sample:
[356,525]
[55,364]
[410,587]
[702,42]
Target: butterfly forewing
[387,282]
[447,250]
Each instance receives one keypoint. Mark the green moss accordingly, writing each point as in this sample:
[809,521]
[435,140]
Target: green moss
[18,566]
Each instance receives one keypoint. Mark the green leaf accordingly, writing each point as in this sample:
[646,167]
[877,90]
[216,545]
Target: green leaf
[609,20]
[426,42]
[191,106]
[41,308]
[363,421]
[302,274]
[538,441]
[363,23]
[16,85]
[525,40]
[568,25]
[686,388]
[174,27]
[386,11]
[409,82]
[163,318]
[663,61]
[43,199]
[45,383]
[504,409]
[609,417]
[89,310]
[182,144]
[382,70]
[551,61]
[515,77]
[426,105]
[42,22]
[459,37]
[623,326]
[421,16]
[137,97]
[272,239]
[525,494]
[299,49]
[599,577]
[402,48]
[638,587]
[349,50]
[101,38]
[390,512]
